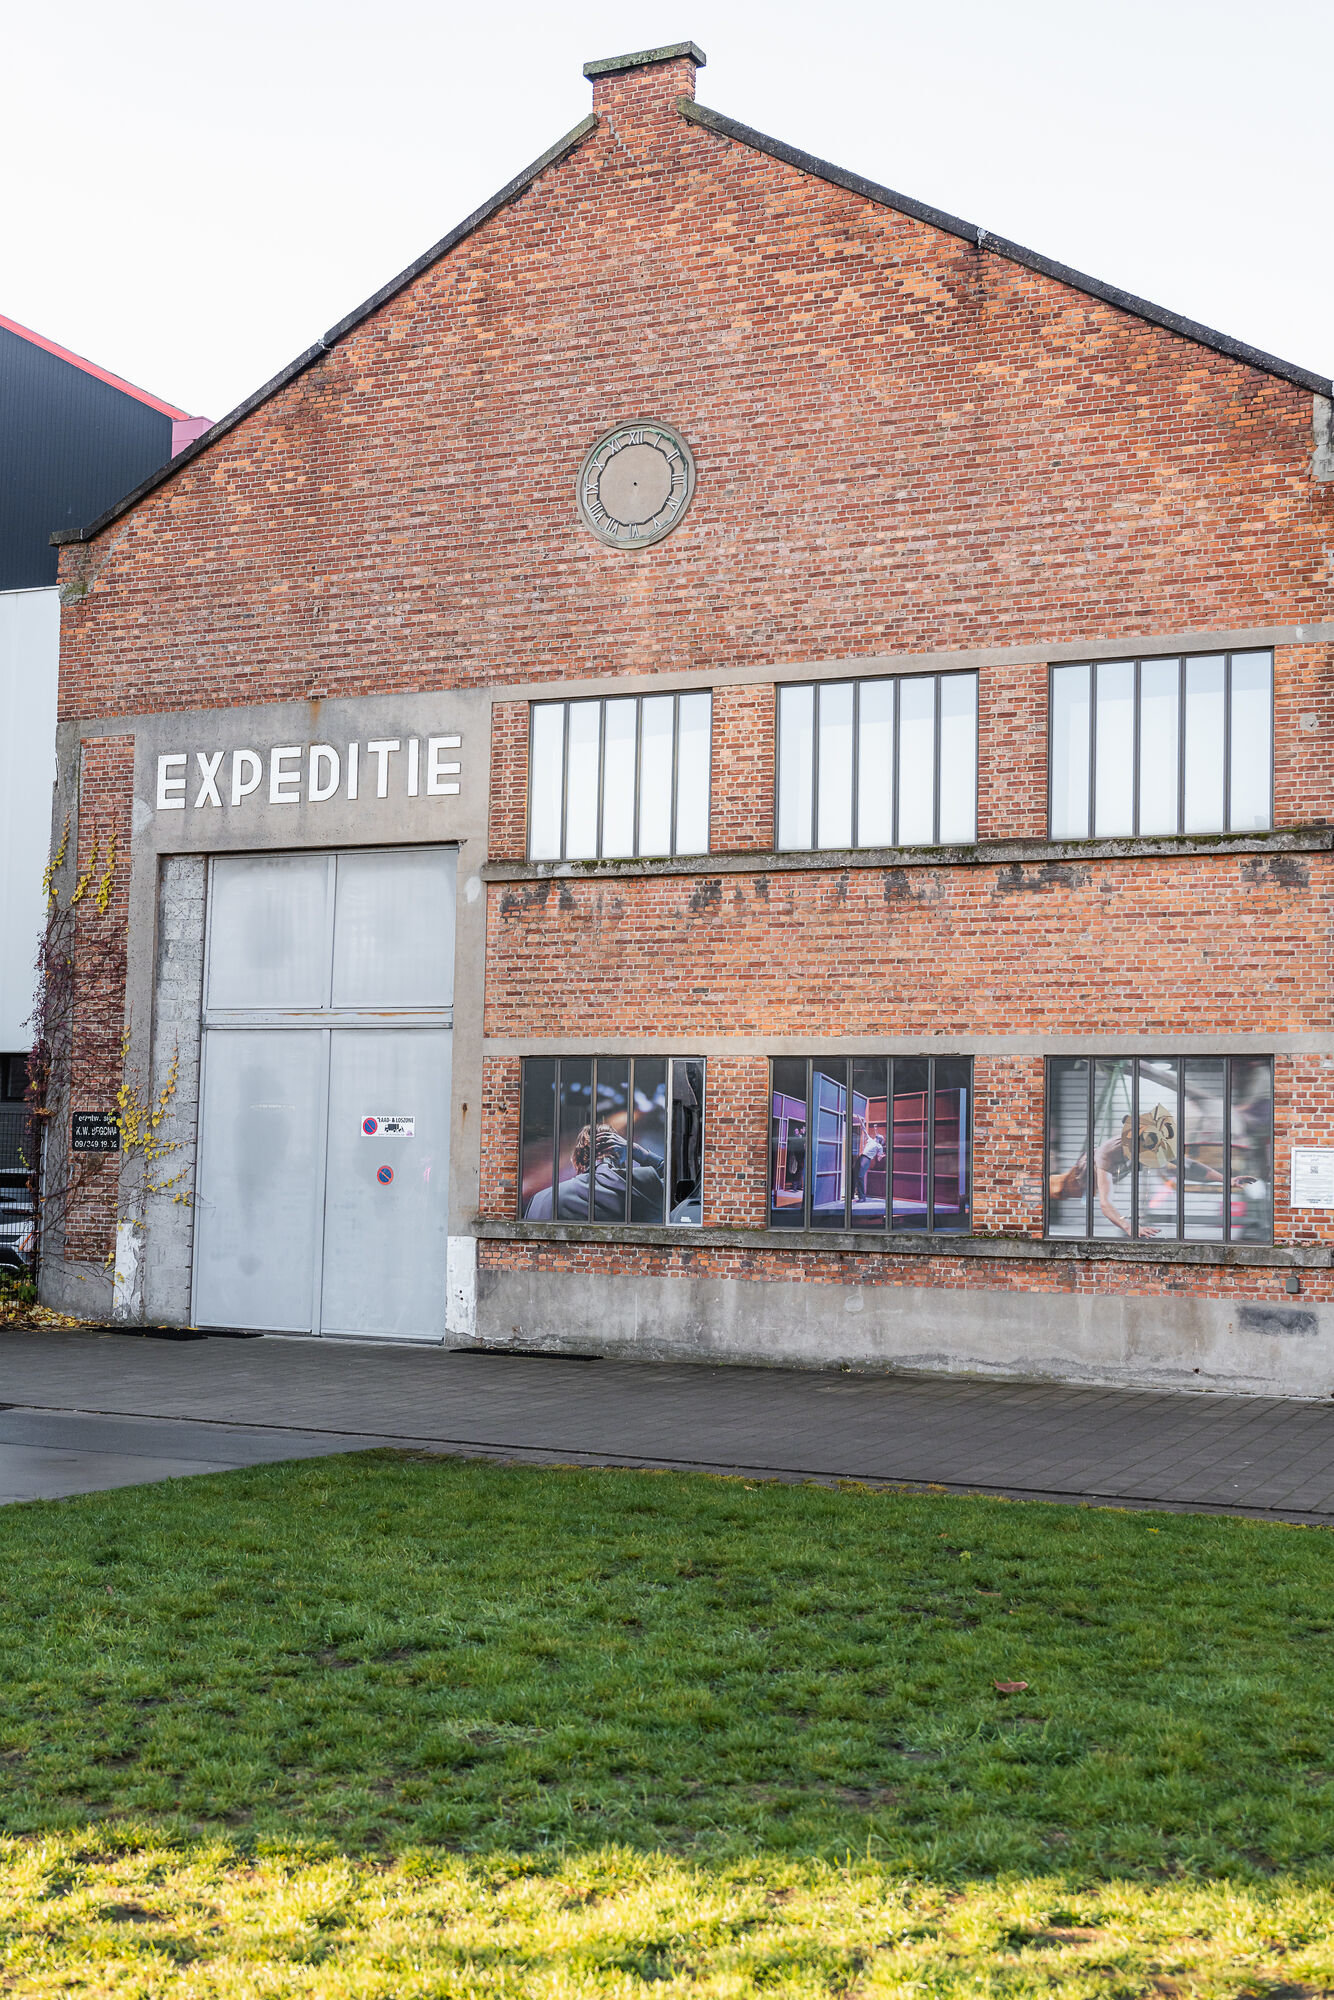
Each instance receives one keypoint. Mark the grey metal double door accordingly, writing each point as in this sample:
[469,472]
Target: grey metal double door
[322,1188]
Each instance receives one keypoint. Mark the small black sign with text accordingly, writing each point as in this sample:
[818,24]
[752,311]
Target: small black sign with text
[96,1132]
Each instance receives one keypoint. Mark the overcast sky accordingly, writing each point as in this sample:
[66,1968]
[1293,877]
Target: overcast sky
[195,192]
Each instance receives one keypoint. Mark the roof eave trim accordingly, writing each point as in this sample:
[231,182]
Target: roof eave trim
[982,239]
[510,191]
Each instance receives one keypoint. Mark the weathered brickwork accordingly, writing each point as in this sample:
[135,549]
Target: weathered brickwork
[742,814]
[903,443]
[1119,947]
[507,837]
[1091,1277]
[101,884]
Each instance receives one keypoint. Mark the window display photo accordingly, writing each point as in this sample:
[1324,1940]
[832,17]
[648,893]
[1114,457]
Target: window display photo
[1178,1149]
[612,1139]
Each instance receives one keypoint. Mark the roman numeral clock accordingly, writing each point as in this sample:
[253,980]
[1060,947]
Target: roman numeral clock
[635,485]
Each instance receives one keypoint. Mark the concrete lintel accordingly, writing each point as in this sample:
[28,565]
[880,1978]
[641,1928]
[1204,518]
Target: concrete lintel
[1017,1044]
[817,1243]
[985,854]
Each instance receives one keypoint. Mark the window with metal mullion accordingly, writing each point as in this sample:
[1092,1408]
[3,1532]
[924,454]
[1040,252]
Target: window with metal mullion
[856,801]
[1181,743]
[1181,1148]
[897,757]
[639,751]
[1135,726]
[1134,1154]
[676,768]
[564,808]
[1227,755]
[602,786]
[1090,1157]
[1093,750]
[817,706]
[931,1109]
[1227,1126]
[935,773]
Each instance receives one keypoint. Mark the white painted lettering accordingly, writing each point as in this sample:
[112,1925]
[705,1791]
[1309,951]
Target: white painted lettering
[247,763]
[382,753]
[353,752]
[208,771]
[323,755]
[414,760]
[167,786]
[281,779]
[437,771]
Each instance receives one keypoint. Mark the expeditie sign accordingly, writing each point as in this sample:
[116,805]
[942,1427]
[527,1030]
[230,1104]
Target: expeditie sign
[309,774]
[95,1132]
[384,1125]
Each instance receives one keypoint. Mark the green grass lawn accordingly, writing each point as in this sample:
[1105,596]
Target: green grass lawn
[385,1725]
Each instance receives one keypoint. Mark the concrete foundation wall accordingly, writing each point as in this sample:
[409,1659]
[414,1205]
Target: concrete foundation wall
[1122,1341]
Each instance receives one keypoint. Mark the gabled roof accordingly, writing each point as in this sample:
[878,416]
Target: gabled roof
[91,368]
[743,135]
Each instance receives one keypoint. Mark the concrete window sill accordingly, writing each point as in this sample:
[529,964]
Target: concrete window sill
[984,854]
[1044,1250]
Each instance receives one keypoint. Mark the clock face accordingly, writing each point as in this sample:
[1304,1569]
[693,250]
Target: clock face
[635,485]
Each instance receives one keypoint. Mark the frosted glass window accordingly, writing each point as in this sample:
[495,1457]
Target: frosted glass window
[693,756]
[917,761]
[958,758]
[875,764]
[878,763]
[394,929]
[1205,685]
[1070,741]
[1252,745]
[618,777]
[269,921]
[1159,743]
[655,774]
[583,759]
[1114,758]
[622,777]
[796,766]
[547,761]
[1164,746]
[834,779]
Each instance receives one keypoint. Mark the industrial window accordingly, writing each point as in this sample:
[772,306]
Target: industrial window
[1181,1148]
[622,777]
[878,763]
[870,1142]
[1162,746]
[612,1139]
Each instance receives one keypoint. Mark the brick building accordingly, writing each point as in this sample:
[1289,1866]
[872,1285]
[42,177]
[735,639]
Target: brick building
[732,766]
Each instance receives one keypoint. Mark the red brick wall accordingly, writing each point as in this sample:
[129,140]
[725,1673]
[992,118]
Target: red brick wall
[742,818]
[1229,942]
[507,838]
[903,444]
[814,1267]
[101,881]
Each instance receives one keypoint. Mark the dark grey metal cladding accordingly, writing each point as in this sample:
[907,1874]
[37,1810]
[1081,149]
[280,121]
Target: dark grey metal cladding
[70,445]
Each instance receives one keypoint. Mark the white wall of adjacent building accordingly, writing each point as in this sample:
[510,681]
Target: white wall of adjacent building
[29,669]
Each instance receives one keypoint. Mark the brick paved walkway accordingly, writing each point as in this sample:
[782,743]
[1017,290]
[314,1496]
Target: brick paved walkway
[89,1410]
